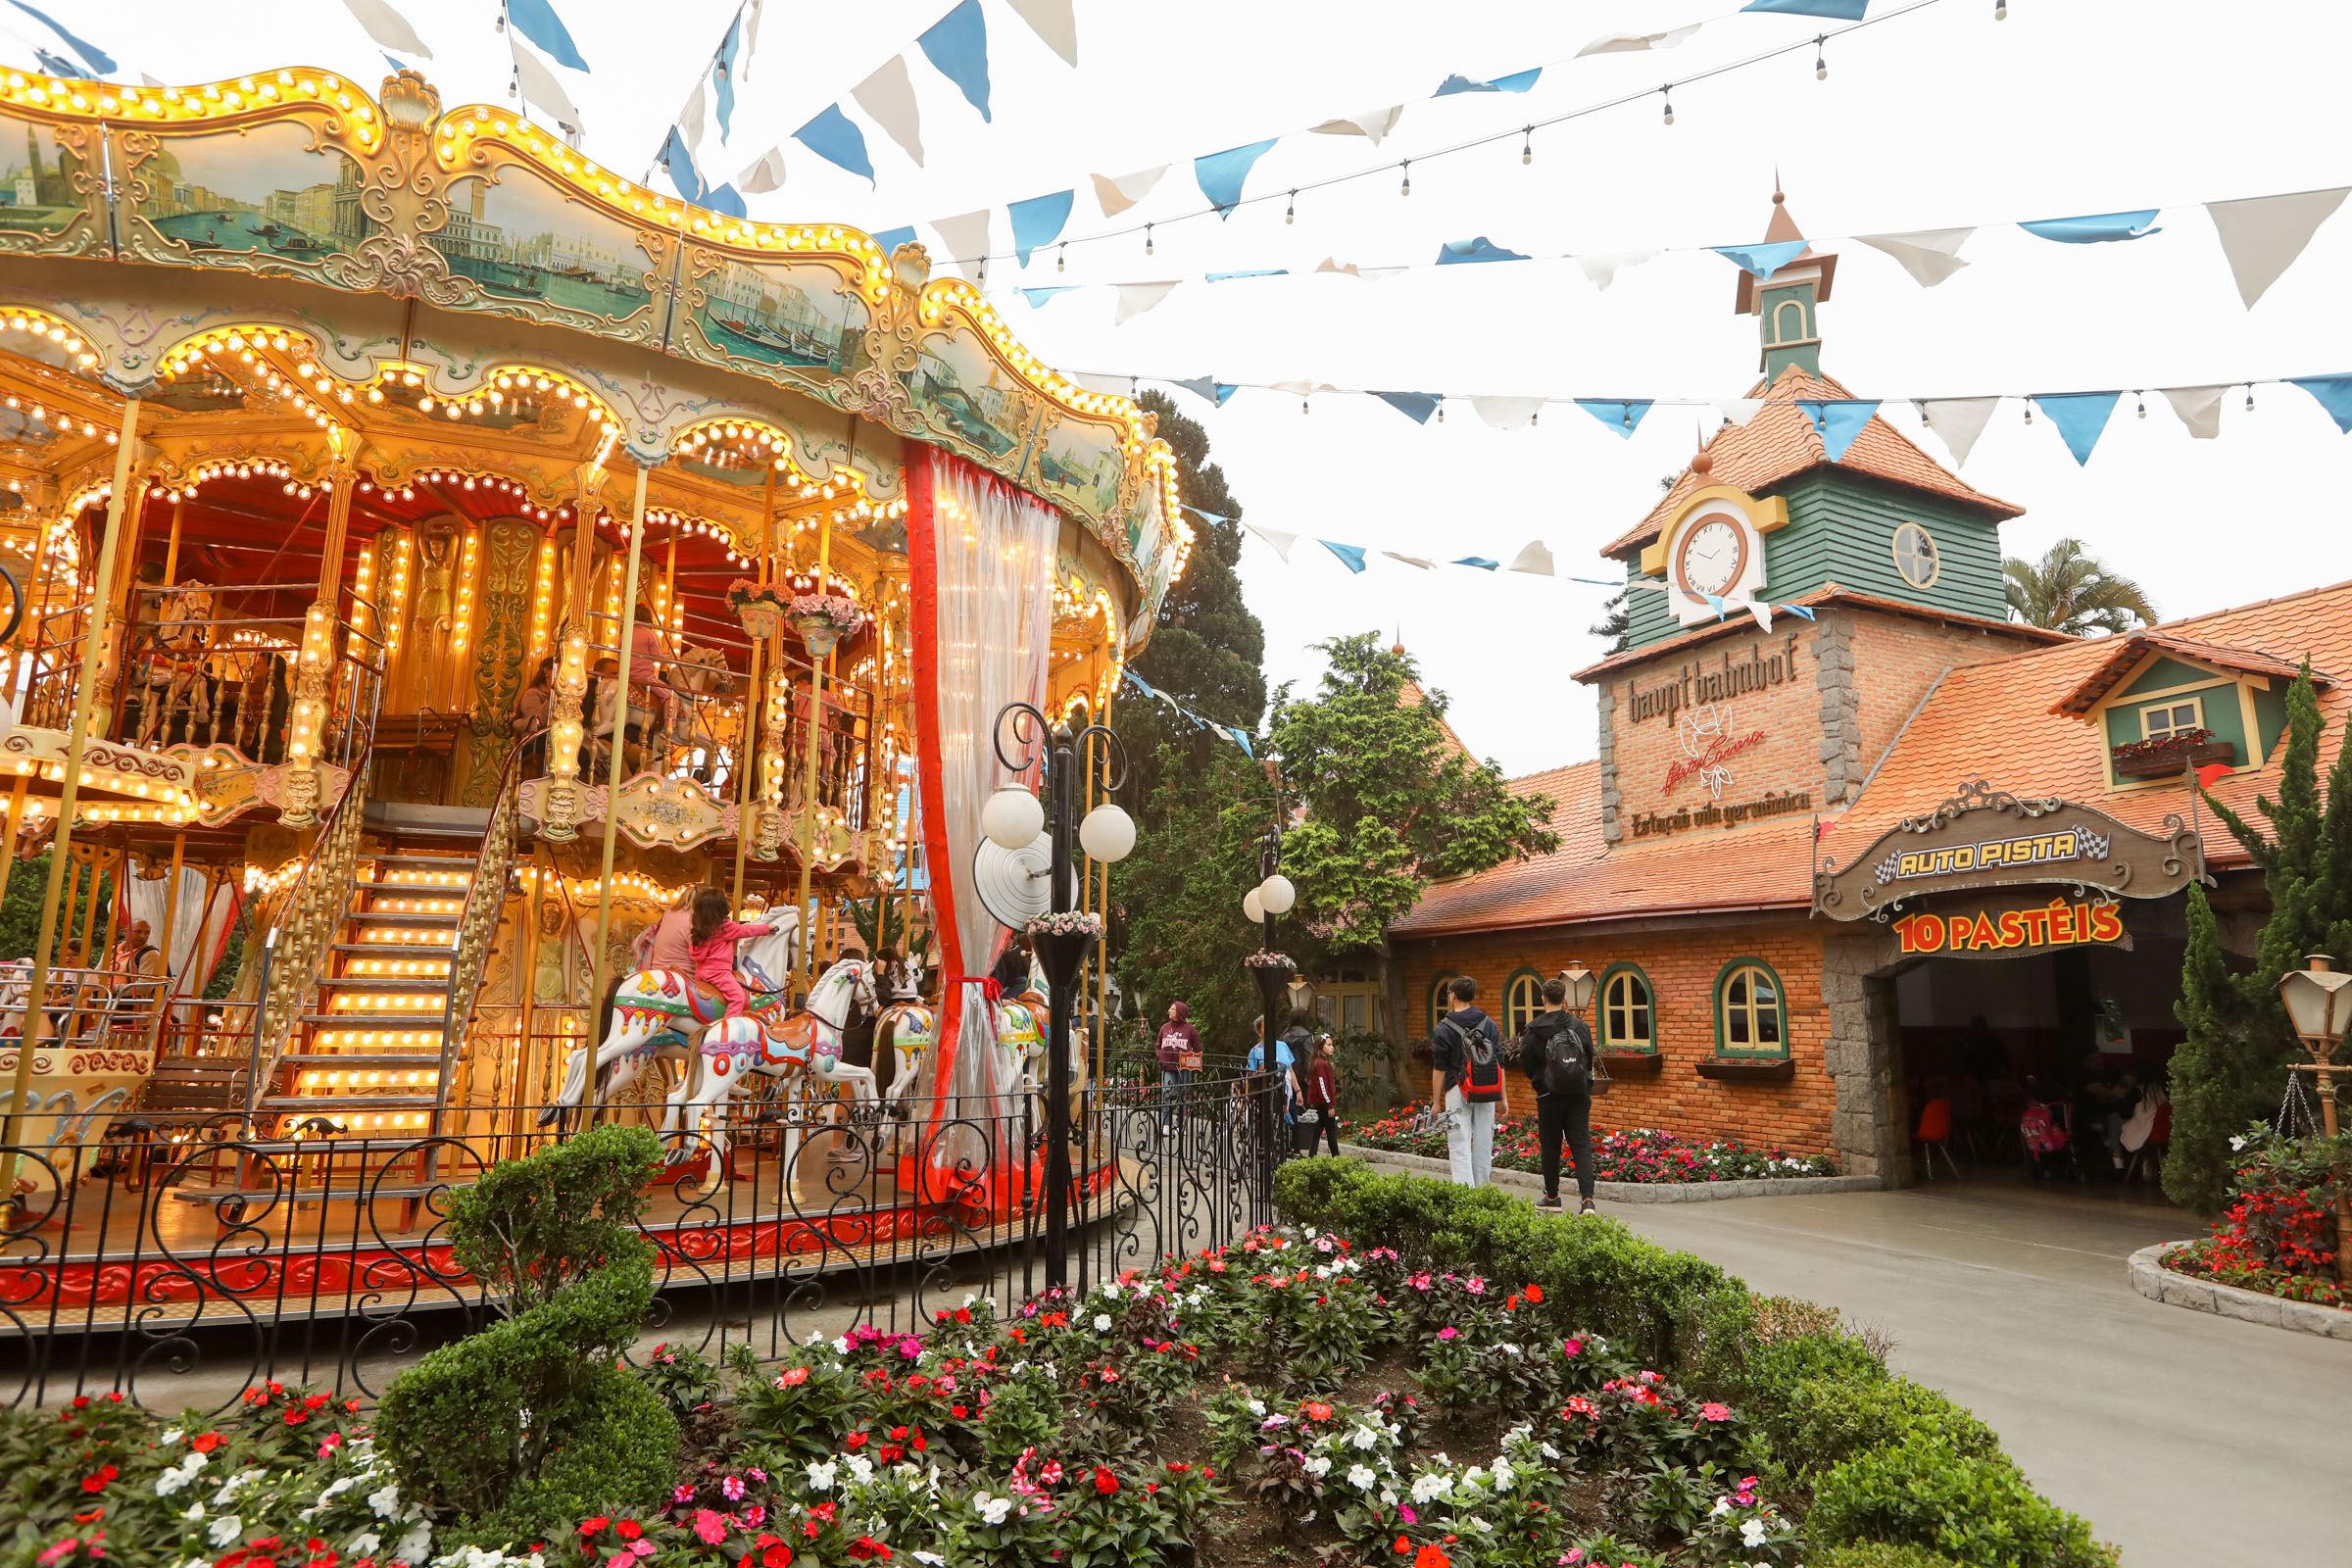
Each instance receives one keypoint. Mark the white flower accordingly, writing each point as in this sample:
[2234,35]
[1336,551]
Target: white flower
[416,1544]
[931,1557]
[1366,1439]
[1751,1533]
[367,1543]
[1504,1476]
[169,1438]
[195,1512]
[1361,1477]
[969,1299]
[385,1502]
[1318,1467]
[991,1510]
[225,1529]
[1387,1496]
[1102,1322]
[1430,1486]
[2236,1142]
[1258,1407]
[821,1476]
[1723,1505]
[862,1469]
[841,1344]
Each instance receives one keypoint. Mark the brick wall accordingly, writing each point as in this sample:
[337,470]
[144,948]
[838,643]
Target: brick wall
[1681,967]
[1895,660]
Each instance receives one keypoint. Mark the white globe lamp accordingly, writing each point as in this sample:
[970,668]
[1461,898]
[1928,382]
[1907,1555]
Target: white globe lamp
[1253,909]
[1107,833]
[1012,818]
[1277,893]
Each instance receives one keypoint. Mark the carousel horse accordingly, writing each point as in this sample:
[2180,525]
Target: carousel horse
[1022,1027]
[697,676]
[174,671]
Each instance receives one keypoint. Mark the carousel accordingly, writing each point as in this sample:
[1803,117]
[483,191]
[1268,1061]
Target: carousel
[431,559]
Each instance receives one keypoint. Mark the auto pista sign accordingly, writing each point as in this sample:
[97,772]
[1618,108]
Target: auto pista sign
[1984,838]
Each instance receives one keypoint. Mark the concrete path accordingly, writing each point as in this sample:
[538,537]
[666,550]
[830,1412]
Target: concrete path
[2178,1434]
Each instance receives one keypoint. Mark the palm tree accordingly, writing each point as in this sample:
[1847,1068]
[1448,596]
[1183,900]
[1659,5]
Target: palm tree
[2072,591]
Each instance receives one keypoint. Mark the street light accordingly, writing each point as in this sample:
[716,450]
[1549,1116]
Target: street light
[1276,894]
[1107,834]
[1253,907]
[2318,1006]
[1578,981]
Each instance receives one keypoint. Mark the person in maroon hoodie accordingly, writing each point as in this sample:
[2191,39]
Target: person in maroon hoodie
[1178,1049]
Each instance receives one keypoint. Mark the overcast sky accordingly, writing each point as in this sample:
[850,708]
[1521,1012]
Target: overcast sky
[1935,120]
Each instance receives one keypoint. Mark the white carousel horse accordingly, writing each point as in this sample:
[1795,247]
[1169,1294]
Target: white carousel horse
[175,663]
[697,676]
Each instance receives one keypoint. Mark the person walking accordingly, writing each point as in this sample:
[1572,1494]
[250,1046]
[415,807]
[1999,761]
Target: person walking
[1556,1053]
[1466,1079]
[1179,1053]
[1286,1065]
[1319,1090]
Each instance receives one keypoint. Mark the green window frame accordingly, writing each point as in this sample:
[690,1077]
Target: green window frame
[1628,1011]
[1437,1000]
[1522,999]
[1751,1010]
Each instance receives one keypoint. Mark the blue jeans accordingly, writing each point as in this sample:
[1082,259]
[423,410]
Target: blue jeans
[1172,1081]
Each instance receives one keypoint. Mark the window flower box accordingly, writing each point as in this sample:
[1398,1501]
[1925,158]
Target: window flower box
[2171,756]
[1627,1064]
[1748,1070]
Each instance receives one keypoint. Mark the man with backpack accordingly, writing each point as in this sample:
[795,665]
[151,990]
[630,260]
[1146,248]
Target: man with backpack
[1556,1053]
[1466,1080]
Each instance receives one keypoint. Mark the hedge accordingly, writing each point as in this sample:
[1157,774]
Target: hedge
[1899,1476]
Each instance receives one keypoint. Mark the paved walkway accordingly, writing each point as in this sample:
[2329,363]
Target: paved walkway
[2178,1434]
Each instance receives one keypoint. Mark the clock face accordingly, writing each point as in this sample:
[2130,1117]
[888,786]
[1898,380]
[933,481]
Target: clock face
[1712,554]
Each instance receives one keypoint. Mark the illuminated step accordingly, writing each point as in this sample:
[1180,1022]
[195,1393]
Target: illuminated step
[372,1040]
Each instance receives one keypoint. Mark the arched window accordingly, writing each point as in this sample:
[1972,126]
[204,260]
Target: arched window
[1522,999]
[1781,329]
[1439,1001]
[1628,1019]
[1752,1011]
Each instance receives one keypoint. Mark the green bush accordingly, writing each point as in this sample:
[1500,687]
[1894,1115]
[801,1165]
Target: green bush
[1895,1465]
[530,1425]
[1881,1554]
[1976,1511]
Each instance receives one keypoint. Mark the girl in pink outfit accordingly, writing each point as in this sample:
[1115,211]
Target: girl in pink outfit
[713,935]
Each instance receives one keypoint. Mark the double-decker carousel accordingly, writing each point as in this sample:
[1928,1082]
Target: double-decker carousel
[433,556]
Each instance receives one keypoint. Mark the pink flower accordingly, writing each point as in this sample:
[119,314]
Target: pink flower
[679,1497]
[710,1527]
[1405,1511]
[1476,1285]
[1448,1332]
[1572,1347]
[732,1487]
[1714,1413]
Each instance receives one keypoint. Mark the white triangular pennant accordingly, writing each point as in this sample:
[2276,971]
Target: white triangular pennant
[1603,269]
[1412,561]
[1373,124]
[1053,21]
[763,175]
[967,238]
[1276,539]
[1369,274]
[690,122]
[388,27]
[543,92]
[1929,255]
[2263,236]
[2199,408]
[888,95]
[1301,389]
[1535,559]
[1762,611]
[1959,422]
[1739,411]
[750,43]
[1618,43]
[1117,195]
[1117,386]
[1137,298]
[1507,413]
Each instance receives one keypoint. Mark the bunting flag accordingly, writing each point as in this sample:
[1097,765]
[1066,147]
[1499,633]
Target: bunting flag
[1615,43]
[766,172]
[2264,234]
[1837,421]
[1798,610]
[1371,125]
[1621,415]
[1412,561]
[1351,555]
[1761,610]
[542,91]
[1739,411]
[1221,174]
[1039,221]
[967,238]
[726,201]
[2081,418]
[1480,562]
[1456,251]
[1210,388]
[1603,269]
[957,45]
[888,98]
[1276,539]
[1929,255]
[1521,81]
[1053,21]
[1262,271]
[535,20]
[1764,258]
[1414,406]
[1240,738]
[2332,393]
[723,71]
[1037,297]
[1137,298]
[387,26]
[678,159]
[1827,10]
[890,239]
[1958,422]
[835,138]
[1369,274]
[2198,406]
[1535,559]
[2096,229]
[689,124]
[1117,195]
[1508,414]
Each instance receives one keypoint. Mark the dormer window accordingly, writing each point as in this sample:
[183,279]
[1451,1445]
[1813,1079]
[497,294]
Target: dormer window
[2175,718]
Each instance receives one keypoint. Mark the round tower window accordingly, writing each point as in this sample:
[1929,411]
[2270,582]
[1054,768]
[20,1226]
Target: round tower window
[1914,555]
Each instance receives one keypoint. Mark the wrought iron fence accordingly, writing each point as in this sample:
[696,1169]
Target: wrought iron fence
[179,1264]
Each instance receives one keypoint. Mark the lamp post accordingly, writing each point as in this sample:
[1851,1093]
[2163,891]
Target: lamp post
[2320,1008]
[1273,897]
[1012,818]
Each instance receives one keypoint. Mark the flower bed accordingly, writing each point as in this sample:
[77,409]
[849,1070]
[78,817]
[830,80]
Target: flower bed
[2277,1236]
[1633,1154]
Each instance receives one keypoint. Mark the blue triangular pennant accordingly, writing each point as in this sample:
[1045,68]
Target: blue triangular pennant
[1037,297]
[1208,387]
[2081,418]
[1456,252]
[1221,174]
[1764,258]
[2332,393]
[726,200]
[1213,517]
[890,239]
[97,59]
[678,158]
[536,20]
[1714,602]
[1837,421]
[1480,562]
[1832,10]
[1798,610]
[1621,415]
[1351,555]
[60,66]
[1414,406]
[724,72]
[835,138]
[1039,221]
[2094,229]
[1263,272]
[958,45]
[1141,684]
[1519,81]
[1240,738]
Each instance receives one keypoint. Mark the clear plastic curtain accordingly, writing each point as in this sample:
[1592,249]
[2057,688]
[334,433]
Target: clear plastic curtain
[994,587]
[193,946]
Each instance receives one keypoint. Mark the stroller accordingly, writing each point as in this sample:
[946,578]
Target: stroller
[2046,1130]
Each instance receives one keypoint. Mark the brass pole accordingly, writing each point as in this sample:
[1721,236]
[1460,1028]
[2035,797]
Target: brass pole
[814,734]
[115,899]
[15,825]
[180,851]
[172,550]
[36,990]
[523,1055]
[746,736]
[621,743]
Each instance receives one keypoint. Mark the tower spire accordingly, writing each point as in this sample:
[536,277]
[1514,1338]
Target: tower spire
[1786,304]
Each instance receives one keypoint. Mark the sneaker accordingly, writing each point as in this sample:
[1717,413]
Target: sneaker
[1548,1200]
[1585,1207]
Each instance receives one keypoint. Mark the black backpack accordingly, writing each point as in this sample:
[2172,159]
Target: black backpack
[1566,1049]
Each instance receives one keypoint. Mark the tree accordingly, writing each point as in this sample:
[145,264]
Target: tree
[2072,591]
[1616,624]
[1390,801]
[2231,1068]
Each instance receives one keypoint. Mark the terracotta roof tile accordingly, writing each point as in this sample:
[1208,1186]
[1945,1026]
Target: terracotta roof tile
[1778,442]
[2128,650]
[1826,594]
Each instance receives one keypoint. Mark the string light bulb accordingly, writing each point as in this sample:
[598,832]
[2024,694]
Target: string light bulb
[1289,214]
[2028,411]
[1062,256]
[1821,61]
[1406,189]
[1667,92]
[1147,239]
[1527,148]
[2249,397]
[2143,402]
[2000,10]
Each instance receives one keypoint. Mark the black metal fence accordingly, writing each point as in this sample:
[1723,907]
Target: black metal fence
[182,1265]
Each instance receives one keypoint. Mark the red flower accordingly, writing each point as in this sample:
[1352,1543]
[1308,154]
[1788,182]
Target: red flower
[1105,1482]
[629,1529]
[792,1377]
[957,1411]
[1535,1293]
[296,1416]
[856,1440]
[97,1482]
[1403,1546]
[591,1526]
[868,1546]
[1432,1557]
[1319,1412]
[206,1444]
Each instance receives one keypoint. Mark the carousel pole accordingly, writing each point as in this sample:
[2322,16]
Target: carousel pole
[172,550]
[812,738]
[620,739]
[180,854]
[36,989]
[525,1017]
[745,735]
